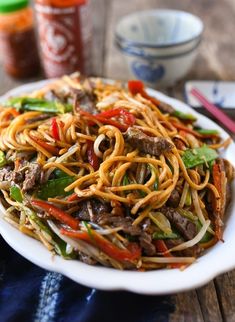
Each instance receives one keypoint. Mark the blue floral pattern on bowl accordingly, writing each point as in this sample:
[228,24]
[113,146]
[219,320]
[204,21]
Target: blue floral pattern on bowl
[147,71]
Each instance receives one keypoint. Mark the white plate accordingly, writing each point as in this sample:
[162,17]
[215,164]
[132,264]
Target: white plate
[219,259]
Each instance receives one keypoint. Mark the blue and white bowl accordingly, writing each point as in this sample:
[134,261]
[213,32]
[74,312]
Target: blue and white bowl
[159,45]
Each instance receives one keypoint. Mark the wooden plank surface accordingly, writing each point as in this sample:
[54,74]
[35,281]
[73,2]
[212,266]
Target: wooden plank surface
[215,301]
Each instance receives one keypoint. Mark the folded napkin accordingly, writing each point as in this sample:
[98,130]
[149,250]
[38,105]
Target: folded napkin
[29,293]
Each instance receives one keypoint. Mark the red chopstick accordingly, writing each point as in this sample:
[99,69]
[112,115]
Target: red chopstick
[214,110]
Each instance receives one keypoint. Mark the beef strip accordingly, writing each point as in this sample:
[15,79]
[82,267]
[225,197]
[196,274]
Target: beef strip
[7,174]
[165,108]
[187,228]
[147,144]
[193,251]
[124,222]
[26,176]
[61,96]
[146,243]
[38,118]
[174,199]
[32,176]
[100,213]
[92,210]
[85,101]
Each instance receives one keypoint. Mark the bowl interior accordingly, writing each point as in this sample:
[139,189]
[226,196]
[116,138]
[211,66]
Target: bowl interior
[159,28]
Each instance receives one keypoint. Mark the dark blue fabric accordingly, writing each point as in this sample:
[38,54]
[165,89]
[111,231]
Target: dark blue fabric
[29,293]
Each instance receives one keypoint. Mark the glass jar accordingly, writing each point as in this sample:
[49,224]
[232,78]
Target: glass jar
[64,28]
[18,52]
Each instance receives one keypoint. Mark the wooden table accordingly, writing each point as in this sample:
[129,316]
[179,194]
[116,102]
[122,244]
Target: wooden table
[215,301]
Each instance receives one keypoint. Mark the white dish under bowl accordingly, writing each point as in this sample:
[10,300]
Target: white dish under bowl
[159,45]
[217,260]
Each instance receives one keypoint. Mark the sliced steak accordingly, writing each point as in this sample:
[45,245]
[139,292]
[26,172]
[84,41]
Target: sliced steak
[7,174]
[124,222]
[38,118]
[100,213]
[165,108]
[186,227]
[32,176]
[92,210]
[85,101]
[147,144]
[146,243]
[174,199]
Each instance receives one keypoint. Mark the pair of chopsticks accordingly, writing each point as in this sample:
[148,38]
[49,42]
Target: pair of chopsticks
[214,110]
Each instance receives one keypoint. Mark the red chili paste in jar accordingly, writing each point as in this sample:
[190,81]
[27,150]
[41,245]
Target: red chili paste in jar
[64,29]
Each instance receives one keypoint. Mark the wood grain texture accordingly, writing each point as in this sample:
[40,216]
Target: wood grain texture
[209,303]
[99,17]
[187,308]
[225,287]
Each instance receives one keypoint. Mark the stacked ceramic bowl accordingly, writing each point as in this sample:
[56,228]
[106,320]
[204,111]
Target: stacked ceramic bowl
[159,45]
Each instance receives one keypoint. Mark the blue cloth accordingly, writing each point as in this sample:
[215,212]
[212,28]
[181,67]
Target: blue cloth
[29,293]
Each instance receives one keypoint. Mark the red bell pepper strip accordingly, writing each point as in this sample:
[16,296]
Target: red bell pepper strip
[133,252]
[104,120]
[137,87]
[12,112]
[55,129]
[121,127]
[186,129]
[92,157]
[73,197]
[161,248]
[128,117]
[52,149]
[56,213]
[198,135]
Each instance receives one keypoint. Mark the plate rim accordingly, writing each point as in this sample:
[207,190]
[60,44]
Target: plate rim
[133,281]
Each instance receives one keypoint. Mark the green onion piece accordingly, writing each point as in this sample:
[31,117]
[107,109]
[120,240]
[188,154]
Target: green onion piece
[54,188]
[188,214]
[142,193]
[56,241]
[188,199]
[89,231]
[207,237]
[60,174]
[36,104]
[60,248]
[16,194]
[210,164]
[125,180]
[153,170]
[162,235]
[196,156]
[32,215]
[3,159]
[156,184]
[185,116]
[204,131]
[59,244]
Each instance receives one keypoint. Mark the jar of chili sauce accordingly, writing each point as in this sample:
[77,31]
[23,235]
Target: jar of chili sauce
[18,48]
[64,28]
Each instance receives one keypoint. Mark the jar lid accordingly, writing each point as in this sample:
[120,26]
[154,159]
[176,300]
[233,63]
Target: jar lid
[12,5]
